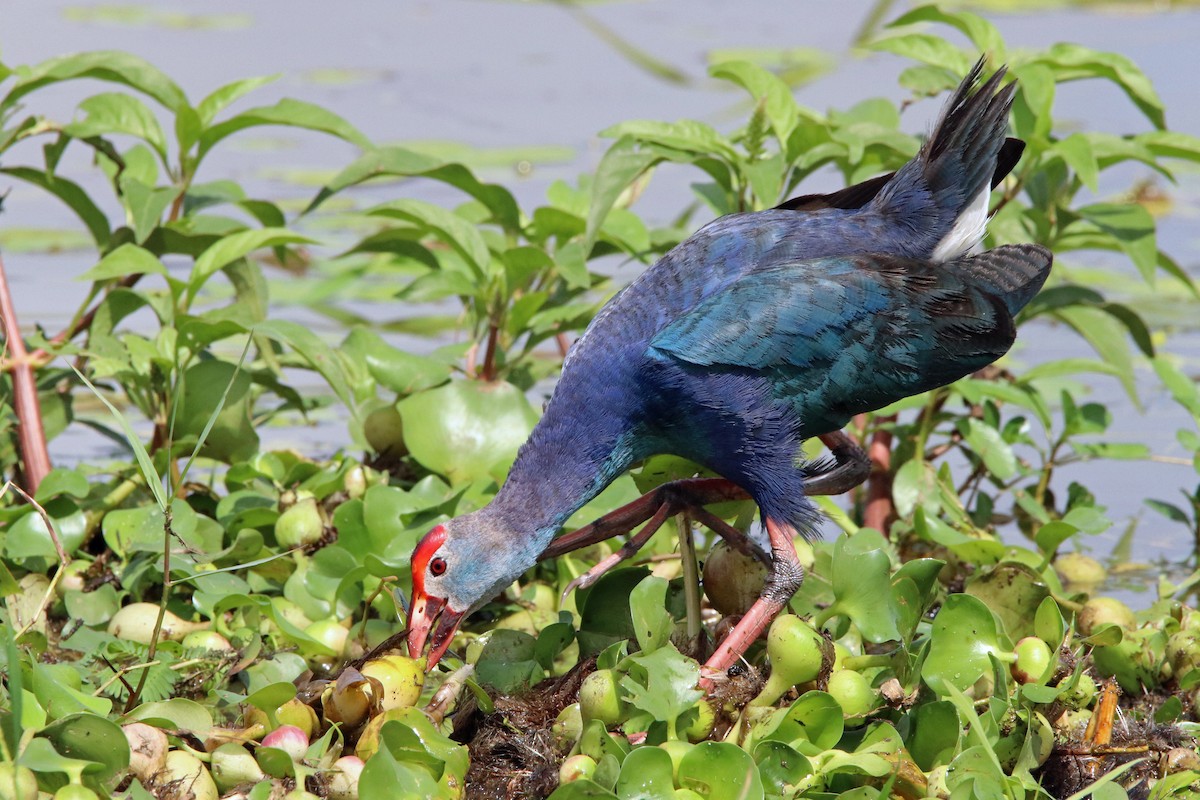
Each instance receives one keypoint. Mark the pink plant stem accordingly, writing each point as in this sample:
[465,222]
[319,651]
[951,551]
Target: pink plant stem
[31,435]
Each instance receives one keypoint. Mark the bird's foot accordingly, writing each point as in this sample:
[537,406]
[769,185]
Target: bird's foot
[851,466]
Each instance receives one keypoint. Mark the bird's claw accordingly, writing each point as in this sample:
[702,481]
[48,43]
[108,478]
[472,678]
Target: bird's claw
[592,575]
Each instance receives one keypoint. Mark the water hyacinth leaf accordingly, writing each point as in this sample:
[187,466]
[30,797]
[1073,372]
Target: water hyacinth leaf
[1014,592]
[582,789]
[508,661]
[861,582]
[812,724]
[56,687]
[646,774]
[28,536]
[53,767]
[270,697]
[935,731]
[662,683]
[1048,623]
[95,607]
[779,764]
[89,737]
[720,771]
[652,623]
[964,637]
[466,430]
[178,713]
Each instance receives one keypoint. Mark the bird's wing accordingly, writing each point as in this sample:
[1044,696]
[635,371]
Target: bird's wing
[861,329]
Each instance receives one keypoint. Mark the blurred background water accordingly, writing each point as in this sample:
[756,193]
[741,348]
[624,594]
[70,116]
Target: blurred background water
[520,90]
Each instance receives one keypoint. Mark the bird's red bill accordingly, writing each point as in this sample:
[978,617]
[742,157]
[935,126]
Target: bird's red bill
[425,613]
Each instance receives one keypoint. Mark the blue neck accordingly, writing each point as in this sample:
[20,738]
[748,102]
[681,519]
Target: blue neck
[569,459]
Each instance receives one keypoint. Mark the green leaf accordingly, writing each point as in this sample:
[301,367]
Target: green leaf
[646,774]
[720,771]
[114,112]
[399,162]
[61,480]
[447,226]
[151,476]
[766,87]
[508,662]
[862,587]
[128,259]
[1072,62]
[393,368]
[987,443]
[652,623]
[208,108]
[963,639]
[983,34]
[89,737]
[618,168]
[319,355]
[1107,336]
[216,399]
[237,245]
[71,194]
[144,205]
[106,65]
[287,112]
[662,683]
[572,265]
[1076,150]
[28,536]
[466,430]
[1132,227]
[926,48]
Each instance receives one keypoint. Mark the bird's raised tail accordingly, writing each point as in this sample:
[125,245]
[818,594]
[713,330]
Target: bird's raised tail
[1014,273]
[940,198]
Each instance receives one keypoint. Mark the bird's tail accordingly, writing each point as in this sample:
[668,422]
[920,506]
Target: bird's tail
[940,197]
[1014,273]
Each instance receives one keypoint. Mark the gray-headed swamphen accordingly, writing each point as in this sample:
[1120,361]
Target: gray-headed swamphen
[759,331]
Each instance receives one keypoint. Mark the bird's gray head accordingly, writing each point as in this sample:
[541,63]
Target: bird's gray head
[458,566]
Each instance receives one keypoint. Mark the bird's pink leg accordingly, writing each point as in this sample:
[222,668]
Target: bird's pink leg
[786,577]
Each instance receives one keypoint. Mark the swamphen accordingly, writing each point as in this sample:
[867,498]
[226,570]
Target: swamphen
[758,332]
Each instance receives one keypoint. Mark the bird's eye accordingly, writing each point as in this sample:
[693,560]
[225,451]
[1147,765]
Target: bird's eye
[437,566]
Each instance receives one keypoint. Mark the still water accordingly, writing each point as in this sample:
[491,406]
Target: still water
[526,86]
